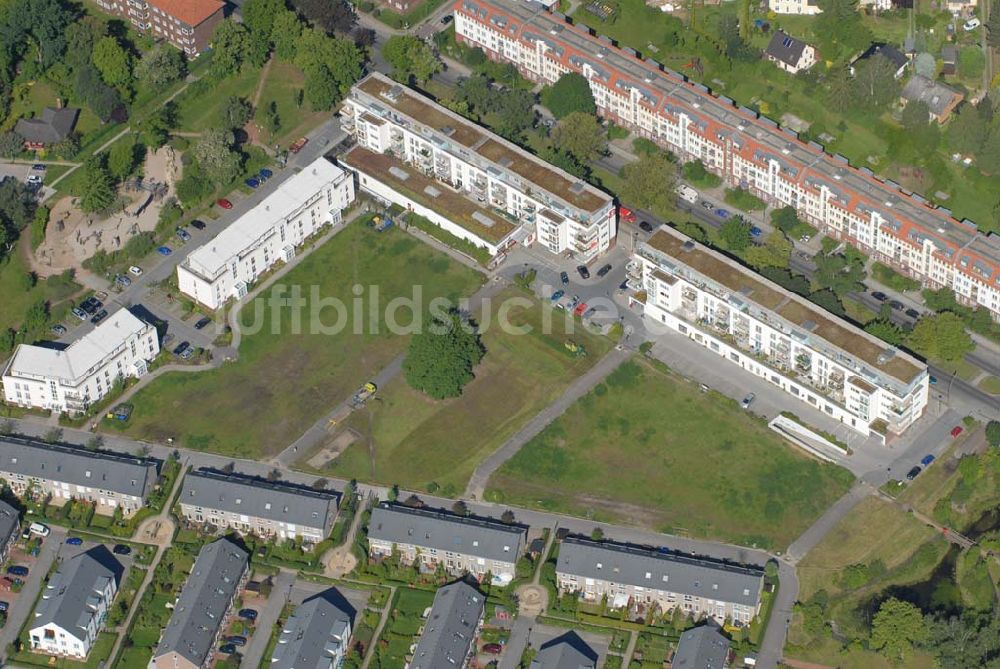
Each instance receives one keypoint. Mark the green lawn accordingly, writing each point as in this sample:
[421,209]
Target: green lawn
[990,384]
[646,447]
[418,440]
[402,628]
[16,300]
[282,85]
[98,655]
[199,107]
[284,381]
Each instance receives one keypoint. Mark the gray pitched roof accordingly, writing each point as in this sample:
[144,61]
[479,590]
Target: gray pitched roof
[937,96]
[565,652]
[9,519]
[275,501]
[701,648]
[122,474]
[450,627]
[481,537]
[660,570]
[72,594]
[51,127]
[204,601]
[785,48]
[317,629]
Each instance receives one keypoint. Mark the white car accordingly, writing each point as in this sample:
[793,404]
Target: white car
[34,180]
[39,529]
[748,400]
[135,269]
[972,24]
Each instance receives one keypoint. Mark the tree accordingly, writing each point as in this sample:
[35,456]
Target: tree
[216,157]
[941,337]
[993,26]
[785,219]
[774,252]
[95,443]
[45,22]
[737,48]
[259,15]
[460,508]
[915,115]
[988,156]
[993,433]
[515,113]
[11,144]
[156,127]
[648,183]
[113,62]
[441,358]
[271,121]
[896,627]
[842,273]
[328,15]
[967,131]
[581,136]
[875,83]
[839,27]
[735,233]
[160,66]
[235,113]
[410,58]
[885,330]
[507,517]
[123,157]
[331,63]
[230,48]
[285,33]
[98,188]
[571,93]
[53,435]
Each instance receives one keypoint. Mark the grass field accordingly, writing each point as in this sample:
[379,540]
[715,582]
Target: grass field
[16,300]
[404,623]
[283,83]
[198,110]
[647,447]
[283,381]
[990,384]
[418,440]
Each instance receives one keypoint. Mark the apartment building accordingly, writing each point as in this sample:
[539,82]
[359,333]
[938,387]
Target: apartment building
[803,7]
[450,630]
[471,182]
[72,379]
[898,228]
[75,603]
[229,264]
[202,611]
[838,369]
[61,473]
[255,506]
[634,576]
[187,24]
[462,544]
[317,635]
[10,526]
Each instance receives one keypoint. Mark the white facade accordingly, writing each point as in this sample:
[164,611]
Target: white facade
[561,211]
[801,7]
[835,368]
[226,266]
[70,614]
[72,379]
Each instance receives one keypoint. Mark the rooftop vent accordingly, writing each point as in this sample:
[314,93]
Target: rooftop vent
[393,93]
[687,246]
[886,355]
[399,173]
[432,191]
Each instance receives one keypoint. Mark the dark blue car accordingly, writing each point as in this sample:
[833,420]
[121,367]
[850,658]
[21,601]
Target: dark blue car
[17,570]
[755,232]
[265,173]
[74,541]
[252,182]
[927,459]
[248,614]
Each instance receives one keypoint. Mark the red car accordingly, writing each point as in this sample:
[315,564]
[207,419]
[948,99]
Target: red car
[224,203]
[626,214]
[957,430]
[492,648]
[298,144]
[580,308]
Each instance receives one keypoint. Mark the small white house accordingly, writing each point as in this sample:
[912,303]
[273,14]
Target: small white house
[790,54]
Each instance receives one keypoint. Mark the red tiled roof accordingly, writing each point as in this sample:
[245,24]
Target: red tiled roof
[191,12]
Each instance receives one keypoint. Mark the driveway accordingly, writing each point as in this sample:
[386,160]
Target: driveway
[21,608]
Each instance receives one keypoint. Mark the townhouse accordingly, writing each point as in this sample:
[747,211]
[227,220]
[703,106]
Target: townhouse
[60,472]
[567,651]
[631,576]
[703,647]
[72,379]
[896,227]
[461,544]
[203,607]
[317,635]
[835,367]
[255,506]
[186,24]
[10,526]
[228,265]
[75,603]
[450,630]
[471,182]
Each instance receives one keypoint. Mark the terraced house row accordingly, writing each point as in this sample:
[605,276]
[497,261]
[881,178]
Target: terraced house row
[898,228]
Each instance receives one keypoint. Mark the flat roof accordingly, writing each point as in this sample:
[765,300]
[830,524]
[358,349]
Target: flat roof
[455,207]
[789,306]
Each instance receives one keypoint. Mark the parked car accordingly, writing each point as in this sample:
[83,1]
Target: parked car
[38,167]
[237,640]
[80,313]
[926,460]
[4,606]
[99,316]
[880,296]
[248,614]
[896,305]
[136,270]
[707,206]
[298,144]
[265,173]
[957,430]
[912,474]
[492,648]
[722,213]
[39,529]
[564,277]
[58,330]
[121,549]
[202,322]
[183,234]
[197,224]
[164,251]
[583,271]
[604,270]
[590,312]
[187,353]
[180,348]
[224,203]
[34,180]
[252,182]
[74,541]
[91,304]
[755,232]
[913,313]
[558,294]
[227,649]
[645,226]
[580,308]
[123,281]
[748,400]
[805,239]
[971,24]
[575,300]
[626,214]
[17,570]
[446,19]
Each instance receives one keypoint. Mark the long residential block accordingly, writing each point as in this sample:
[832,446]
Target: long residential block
[833,366]
[75,603]
[462,544]
[229,264]
[61,472]
[72,379]
[203,608]
[631,576]
[317,635]
[451,628]
[264,508]
[187,24]
[434,156]
[898,228]
[10,526]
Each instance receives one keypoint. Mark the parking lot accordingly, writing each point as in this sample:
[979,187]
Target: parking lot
[20,604]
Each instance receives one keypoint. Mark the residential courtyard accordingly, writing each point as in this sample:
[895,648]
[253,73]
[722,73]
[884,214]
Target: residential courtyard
[646,447]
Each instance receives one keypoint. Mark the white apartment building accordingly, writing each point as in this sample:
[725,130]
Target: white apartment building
[896,227]
[431,160]
[803,7]
[72,379]
[228,265]
[815,357]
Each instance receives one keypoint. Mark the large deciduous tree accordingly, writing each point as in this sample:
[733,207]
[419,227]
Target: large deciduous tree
[331,66]
[123,157]
[328,15]
[160,66]
[113,62]
[896,627]
[216,157]
[286,30]
[410,58]
[441,359]
[941,337]
[735,234]
[581,136]
[98,189]
[571,93]
[648,183]
[230,48]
